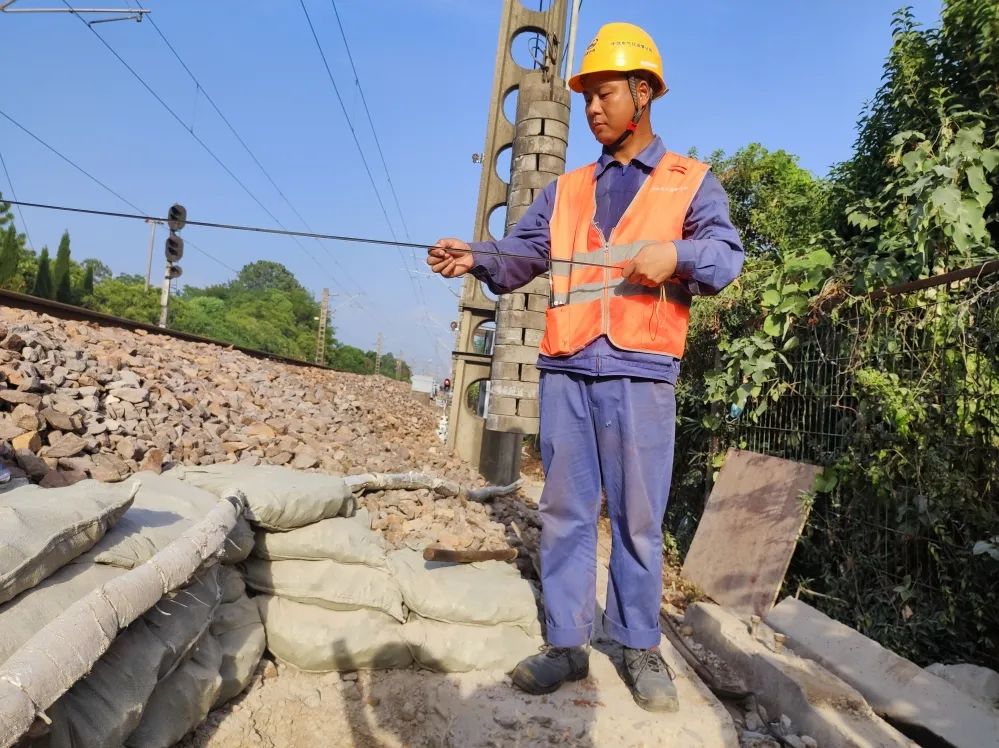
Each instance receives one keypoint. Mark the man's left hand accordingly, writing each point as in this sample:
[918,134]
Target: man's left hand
[652,266]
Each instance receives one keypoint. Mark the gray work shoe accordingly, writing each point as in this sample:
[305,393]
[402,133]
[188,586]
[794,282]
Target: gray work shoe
[651,680]
[547,671]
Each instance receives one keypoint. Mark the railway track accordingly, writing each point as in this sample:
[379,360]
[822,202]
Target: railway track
[79,314]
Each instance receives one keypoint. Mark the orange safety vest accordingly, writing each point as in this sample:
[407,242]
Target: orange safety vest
[587,302]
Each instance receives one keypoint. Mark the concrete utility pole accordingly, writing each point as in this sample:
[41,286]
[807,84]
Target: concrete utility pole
[538,140]
[324,310]
[398,368]
[149,259]
[378,354]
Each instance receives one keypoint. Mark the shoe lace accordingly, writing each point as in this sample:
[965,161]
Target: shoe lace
[553,652]
[653,660]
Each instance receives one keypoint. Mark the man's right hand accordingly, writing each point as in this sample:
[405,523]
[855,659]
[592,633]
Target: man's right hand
[451,258]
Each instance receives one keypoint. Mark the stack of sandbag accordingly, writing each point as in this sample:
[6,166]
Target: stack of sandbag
[164,671]
[42,531]
[326,597]
[462,617]
[329,601]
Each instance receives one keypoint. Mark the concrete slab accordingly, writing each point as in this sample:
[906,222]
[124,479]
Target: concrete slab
[818,703]
[923,705]
[749,530]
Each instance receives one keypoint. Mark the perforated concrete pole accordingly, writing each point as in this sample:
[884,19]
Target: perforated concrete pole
[473,363]
[539,146]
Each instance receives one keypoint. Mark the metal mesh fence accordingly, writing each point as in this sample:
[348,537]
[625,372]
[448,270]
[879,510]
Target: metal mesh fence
[897,395]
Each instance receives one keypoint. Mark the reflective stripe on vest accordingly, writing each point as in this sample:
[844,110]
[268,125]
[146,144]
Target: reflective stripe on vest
[586,301]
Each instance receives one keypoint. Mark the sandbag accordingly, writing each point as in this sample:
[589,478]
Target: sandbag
[22,617]
[240,634]
[106,706]
[44,529]
[239,543]
[459,648]
[327,584]
[347,540]
[278,498]
[485,593]
[231,584]
[321,640]
[182,700]
[163,508]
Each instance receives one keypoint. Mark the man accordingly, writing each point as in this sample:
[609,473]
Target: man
[656,224]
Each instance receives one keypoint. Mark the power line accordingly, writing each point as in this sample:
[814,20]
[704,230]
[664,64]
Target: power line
[180,121]
[286,232]
[417,290]
[98,182]
[364,101]
[350,125]
[14,195]
[241,141]
[418,284]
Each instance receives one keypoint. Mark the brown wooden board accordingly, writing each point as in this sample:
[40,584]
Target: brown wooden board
[749,530]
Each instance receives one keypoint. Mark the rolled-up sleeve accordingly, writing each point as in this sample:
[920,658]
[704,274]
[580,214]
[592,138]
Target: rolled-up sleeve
[710,255]
[530,239]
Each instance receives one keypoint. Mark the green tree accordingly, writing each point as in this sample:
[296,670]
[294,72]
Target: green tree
[101,272]
[10,253]
[349,358]
[87,285]
[43,277]
[127,298]
[61,272]
[774,203]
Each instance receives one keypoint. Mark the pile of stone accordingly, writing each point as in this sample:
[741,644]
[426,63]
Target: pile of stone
[762,730]
[78,401]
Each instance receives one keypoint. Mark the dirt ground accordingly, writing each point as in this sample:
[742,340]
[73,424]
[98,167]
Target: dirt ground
[409,708]
[285,707]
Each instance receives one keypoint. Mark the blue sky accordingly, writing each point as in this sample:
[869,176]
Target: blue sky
[791,75]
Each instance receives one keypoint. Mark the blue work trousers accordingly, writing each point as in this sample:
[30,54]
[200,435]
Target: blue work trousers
[614,433]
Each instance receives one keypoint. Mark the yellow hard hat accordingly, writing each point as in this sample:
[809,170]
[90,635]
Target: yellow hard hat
[624,48]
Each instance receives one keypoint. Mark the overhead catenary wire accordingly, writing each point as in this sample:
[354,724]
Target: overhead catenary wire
[13,194]
[239,138]
[416,286]
[194,135]
[99,183]
[350,126]
[367,112]
[281,232]
[374,133]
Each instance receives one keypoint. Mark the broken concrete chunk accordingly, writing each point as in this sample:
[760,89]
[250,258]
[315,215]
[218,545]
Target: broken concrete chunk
[896,688]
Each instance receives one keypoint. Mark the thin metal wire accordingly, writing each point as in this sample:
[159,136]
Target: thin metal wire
[14,195]
[286,232]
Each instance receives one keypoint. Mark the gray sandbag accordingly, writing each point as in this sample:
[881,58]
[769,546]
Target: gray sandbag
[327,584]
[181,701]
[163,508]
[240,634]
[22,617]
[106,706]
[484,594]
[278,498]
[44,529]
[322,640]
[231,583]
[459,648]
[239,544]
[348,540]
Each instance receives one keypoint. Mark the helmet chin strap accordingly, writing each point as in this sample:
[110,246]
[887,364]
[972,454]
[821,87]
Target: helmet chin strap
[635,118]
